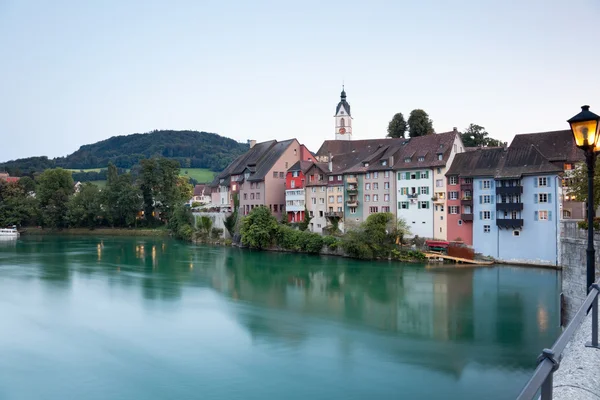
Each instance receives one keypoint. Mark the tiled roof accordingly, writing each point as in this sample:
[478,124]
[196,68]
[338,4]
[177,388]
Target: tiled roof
[555,146]
[336,147]
[483,161]
[519,161]
[301,166]
[428,146]
[199,190]
[265,163]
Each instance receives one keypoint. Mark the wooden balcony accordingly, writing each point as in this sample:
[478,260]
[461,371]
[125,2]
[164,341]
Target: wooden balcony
[509,190]
[466,217]
[509,206]
[509,223]
[334,214]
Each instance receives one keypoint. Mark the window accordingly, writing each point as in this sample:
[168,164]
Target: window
[376,186]
[342,122]
[322,188]
[454,180]
[294,173]
[486,229]
[421,159]
[368,175]
[468,180]
[455,148]
[258,196]
[313,189]
[313,200]
[568,167]
[339,189]
[386,197]
[375,175]
[543,215]
[543,198]
[321,200]
[543,181]
[403,191]
[245,196]
[275,207]
[321,213]
[367,186]
[407,160]
[352,210]
[487,215]
[516,233]
[384,162]
[367,197]
[453,209]
[386,174]
[403,205]
[424,174]
[386,185]
[339,177]
[339,199]
[258,185]
[487,199]
[423,204]
[281,175]
[440,156]
[424,190]
[281,207]
[375,197]
[439,183]
[566,214]
[331,178]
[439,170]
[331,199]
[251,196]
[487,184]
[514,215]
[459,222]
[453,195]
[252,185]
[275,174]
[330,189]
[311,214]
[385,209]
[373,210]
[293,184]
[412,176]
[339,209]
[318,225]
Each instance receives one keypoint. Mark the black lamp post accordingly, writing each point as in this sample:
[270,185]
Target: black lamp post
[585,131]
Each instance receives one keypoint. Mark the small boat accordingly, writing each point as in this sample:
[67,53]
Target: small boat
[9,233]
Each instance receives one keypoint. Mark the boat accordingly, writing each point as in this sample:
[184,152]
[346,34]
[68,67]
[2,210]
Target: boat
[9,233]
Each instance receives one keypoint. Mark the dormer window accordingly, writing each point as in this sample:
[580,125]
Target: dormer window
[366,164]
[384,162]
[420,159]
[247,175]
[407,160]
[440,156]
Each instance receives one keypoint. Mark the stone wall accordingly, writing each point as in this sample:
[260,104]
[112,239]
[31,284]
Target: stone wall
[218,220]
[573,243]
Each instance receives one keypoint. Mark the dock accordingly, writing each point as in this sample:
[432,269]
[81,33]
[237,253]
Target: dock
[457,260]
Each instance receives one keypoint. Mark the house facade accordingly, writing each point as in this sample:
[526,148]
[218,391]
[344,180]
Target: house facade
[316,197]
[295,193]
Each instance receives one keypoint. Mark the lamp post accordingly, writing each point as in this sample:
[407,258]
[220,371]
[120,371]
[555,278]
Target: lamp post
[584,127]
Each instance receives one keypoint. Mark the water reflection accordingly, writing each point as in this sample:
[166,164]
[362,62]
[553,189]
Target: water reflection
[438,318]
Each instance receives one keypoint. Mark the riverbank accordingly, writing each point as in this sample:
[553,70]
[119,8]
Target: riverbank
[97,232]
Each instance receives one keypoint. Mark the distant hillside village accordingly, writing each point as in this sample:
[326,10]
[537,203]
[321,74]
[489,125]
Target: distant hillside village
[506,202]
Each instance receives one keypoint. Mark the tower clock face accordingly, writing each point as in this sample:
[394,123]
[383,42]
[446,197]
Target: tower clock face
[342,130]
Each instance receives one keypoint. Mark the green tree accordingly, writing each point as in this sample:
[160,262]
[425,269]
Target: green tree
[397,126]
[27,184]
[577,183]
[401,230]
[259,228]
[16,206]
[121,200]
[231,219]
[84,207]
[161,187]
[205,224]
[53,191]
[476,136]
[306,221]
[419,124]
[181,223]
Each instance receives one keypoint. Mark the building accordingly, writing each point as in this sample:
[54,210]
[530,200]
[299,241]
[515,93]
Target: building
[515,203]
[4,176]
[257,178]
[316,197]
[202,195]
[420,168]
[295,194]
[559,148]
[343,119]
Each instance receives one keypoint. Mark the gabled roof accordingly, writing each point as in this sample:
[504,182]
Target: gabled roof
[301,166]
[483,161]
[199,190]
[336,147]
[556,146]
[265,163]
[519,161]
[254,156]
[429,147]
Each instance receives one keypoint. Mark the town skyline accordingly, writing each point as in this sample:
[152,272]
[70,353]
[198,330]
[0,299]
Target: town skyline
[81,73]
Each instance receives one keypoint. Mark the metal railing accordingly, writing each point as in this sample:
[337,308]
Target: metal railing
[549,360]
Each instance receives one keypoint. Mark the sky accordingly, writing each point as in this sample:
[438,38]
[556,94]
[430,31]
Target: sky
[76,72]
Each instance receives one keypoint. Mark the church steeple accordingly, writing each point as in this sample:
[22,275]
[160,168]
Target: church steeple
[343,118]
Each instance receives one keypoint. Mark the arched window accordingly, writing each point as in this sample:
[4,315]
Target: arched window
[566,214]
[342,123]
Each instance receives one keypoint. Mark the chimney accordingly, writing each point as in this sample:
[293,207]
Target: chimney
[330,158]
[252,143]
[391,161]
[455,130]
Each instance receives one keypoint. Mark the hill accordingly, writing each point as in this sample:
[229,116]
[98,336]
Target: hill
[192,149]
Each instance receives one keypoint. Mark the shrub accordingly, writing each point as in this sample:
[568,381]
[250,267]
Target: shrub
[216,233]
[185,232]
[259,228]
[331,241]
[314,242]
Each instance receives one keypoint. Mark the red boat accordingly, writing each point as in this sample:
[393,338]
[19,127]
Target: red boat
[437,245]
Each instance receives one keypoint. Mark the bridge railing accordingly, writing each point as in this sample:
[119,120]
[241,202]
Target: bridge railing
[549,360]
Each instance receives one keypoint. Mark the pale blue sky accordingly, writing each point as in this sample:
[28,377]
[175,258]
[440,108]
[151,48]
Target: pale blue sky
[75,72]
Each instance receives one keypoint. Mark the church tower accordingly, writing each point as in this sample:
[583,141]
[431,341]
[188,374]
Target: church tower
[343,119]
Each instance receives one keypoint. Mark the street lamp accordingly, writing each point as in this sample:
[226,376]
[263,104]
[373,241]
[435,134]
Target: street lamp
[585,131]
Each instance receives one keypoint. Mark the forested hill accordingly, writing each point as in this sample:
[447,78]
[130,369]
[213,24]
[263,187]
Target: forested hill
[192,149]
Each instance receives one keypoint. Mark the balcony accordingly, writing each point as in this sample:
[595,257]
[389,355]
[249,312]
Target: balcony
[351,179]
[467,201]
[334,214]
[466,217]
[412,195]
[509,206]
[509,190]
[352,203]
[509,223]
[466,186]
[352,189]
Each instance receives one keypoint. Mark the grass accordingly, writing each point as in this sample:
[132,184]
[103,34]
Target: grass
[100,184]
[201,175]
[86,170]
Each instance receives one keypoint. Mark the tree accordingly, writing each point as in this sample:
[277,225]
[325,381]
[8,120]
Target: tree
[53,191]
[259,228]
[84,207]
[27,184]
[306,221]
[578,183]
[121,200]
[181,223]
[205,224]
[419,124]
[162,189]
[232,218]
[16,206]
[476,136]
[397,126]
[401,230]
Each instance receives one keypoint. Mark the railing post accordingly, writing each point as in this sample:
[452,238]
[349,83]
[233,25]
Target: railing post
[547,387]
[548,354]
[594,341]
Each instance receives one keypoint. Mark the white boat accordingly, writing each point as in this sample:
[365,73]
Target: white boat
[9,233]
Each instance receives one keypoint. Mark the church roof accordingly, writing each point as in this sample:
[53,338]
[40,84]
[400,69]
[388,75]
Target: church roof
[343,103]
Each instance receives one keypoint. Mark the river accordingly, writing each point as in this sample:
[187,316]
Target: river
[145,318]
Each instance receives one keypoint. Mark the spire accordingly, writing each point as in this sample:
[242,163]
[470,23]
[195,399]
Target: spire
[343,95]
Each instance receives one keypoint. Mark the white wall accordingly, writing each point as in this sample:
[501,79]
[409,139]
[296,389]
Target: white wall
[420,220]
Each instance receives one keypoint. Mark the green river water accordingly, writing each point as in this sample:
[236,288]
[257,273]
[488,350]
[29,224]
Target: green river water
[144,318]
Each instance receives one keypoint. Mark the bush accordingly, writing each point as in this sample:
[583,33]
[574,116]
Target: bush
[259,228]
[331,241]
[185,232]
[584,224]
[216,233]
[228,242]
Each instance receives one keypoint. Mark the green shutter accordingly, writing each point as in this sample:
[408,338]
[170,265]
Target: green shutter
[426,174]
[407,176]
